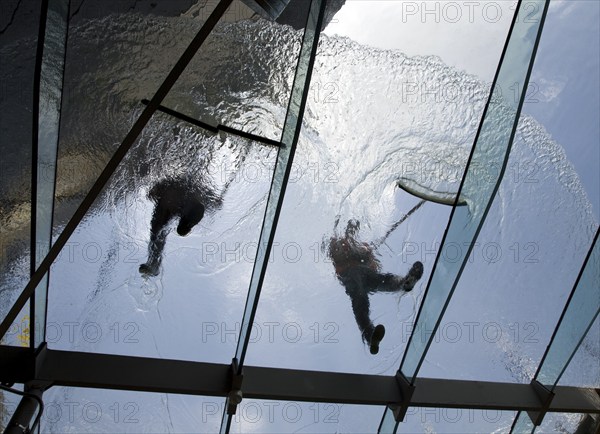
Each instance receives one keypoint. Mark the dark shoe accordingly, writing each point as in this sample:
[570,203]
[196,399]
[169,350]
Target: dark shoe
[149,270]
[376,338]
[413,276]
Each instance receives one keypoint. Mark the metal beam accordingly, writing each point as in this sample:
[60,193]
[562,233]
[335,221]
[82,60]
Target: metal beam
[215,129]
[103,371]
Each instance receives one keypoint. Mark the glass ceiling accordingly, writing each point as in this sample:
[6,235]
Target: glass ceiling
[367,153]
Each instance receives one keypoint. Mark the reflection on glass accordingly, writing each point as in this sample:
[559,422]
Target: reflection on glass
[51,83]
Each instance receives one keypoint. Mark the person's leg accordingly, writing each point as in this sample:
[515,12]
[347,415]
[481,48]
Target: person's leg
[388,282]
[158,238]
[360,307]
[190,217]
[359,296]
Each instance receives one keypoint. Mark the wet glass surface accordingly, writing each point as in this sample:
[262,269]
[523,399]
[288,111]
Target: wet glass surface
[117,55]
[242,76]
[349,160]
[283,165]
[537,233]
[491,150]
[18,43]
[380,111]
[569,422]
[186,301]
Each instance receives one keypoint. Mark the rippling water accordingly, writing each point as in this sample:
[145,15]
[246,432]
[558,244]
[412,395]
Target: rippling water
[364,129]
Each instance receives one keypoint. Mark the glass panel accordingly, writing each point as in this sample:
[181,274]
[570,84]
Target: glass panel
[362,134]
[69,409]
[121,152]
[118,54]
[578,316]
[522,424]
[285,156]
[51,83]
[490,150]
[515,285]
[242,78]
[128,283]
[569,423]
[563,95]
[265,416]
[8,404]
[19,28]
[559,423]
[454,420]
[584,370]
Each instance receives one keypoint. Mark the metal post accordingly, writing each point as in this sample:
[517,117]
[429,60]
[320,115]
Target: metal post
[30,406]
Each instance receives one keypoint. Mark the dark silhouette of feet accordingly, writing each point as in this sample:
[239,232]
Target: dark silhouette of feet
[413,276]
[176,198]
[376,338]
[149,270]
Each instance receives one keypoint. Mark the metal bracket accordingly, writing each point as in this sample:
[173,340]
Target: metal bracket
[406,391]
[546,396]
[235,395]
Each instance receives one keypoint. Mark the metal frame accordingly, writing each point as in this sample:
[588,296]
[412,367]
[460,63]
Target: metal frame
[215,129]
[104,371]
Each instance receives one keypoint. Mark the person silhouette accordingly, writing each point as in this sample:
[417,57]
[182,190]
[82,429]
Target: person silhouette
[357,268]
[173,198]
